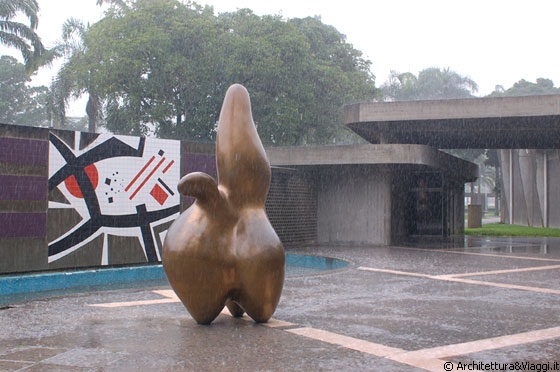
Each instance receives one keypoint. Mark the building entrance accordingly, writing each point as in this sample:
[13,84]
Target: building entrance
[425,204]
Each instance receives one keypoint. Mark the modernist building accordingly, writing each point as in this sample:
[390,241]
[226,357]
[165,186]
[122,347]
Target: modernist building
[378,194]
[526,130]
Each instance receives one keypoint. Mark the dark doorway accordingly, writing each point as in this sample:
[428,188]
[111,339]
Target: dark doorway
[425,204]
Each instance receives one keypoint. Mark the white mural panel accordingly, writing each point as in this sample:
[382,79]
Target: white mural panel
[119,185]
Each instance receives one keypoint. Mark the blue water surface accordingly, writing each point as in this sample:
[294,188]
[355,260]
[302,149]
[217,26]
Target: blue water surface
[17,288]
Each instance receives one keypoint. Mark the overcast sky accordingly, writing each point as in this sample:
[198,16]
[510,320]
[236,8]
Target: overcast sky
[494,42]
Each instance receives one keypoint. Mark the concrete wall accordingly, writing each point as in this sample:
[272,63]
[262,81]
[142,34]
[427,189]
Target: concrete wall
[354,205]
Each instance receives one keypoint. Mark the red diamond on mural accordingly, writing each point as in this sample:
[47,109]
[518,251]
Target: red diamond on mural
[159,194]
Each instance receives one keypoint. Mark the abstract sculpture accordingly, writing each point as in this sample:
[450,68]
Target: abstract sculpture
[223,251]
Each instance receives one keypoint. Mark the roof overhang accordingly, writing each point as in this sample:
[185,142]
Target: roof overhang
[409,155]
[500,123]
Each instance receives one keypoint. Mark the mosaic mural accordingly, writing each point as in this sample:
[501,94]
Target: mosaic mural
[106,186]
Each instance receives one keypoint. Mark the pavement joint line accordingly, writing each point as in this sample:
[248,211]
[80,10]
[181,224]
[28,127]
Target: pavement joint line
[492,343]
[431,359]
[169,294]
[347,342]
[280,324]
[134,303]
[382,351]
[396,272]
[481,254]
[504,285]
[497,272]
[451,278]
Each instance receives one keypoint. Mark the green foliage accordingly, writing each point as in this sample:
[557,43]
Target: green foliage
[19,103]
[513,230]
[431,83]
[526,88]
[74,77]
[164,66]
[18,35]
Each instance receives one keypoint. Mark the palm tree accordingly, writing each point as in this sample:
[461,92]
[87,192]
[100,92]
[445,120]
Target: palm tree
[436,83]
[21,36]
[431,83]
[71,79]
[400,87]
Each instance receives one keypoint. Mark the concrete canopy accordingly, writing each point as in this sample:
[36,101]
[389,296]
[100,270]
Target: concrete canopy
[485,123]
[418,155]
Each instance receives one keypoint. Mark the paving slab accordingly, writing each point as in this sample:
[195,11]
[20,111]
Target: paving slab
[411,307]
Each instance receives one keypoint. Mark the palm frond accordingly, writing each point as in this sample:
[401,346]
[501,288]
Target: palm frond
[19,35]
[30,8]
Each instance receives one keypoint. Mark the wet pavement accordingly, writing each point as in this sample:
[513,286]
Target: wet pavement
[460,303]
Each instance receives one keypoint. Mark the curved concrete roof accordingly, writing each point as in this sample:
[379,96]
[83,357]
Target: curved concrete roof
[505,122]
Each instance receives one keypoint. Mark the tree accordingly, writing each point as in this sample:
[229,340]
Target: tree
[19,35]
[165,66]
[526,88]
[122,5]
[21,104]
[300,73]
[431,83]
[74,78]
[150,61]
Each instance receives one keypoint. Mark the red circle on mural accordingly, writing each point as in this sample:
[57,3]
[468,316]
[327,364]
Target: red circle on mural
[72,185]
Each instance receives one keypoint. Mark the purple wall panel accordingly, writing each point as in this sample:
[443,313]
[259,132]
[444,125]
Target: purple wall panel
[199,163]
[196,162]
[23,188]
[23,225]
[24,151]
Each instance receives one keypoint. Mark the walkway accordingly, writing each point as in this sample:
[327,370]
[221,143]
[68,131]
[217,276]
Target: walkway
[428,305]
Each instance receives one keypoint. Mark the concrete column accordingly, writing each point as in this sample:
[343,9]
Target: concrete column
[506,166]
[528,174]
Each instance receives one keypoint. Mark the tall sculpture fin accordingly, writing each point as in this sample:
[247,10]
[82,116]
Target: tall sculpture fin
[242,162]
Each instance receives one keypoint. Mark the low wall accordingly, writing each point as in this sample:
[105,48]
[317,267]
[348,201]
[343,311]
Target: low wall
[71,199]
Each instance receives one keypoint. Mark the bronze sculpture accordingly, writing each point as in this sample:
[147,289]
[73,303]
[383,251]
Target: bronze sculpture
[223,251]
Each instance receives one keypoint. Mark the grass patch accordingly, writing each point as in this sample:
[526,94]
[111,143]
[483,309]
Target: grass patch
[499,229]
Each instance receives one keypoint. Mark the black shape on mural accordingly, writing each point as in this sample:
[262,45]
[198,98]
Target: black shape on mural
[166,186]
